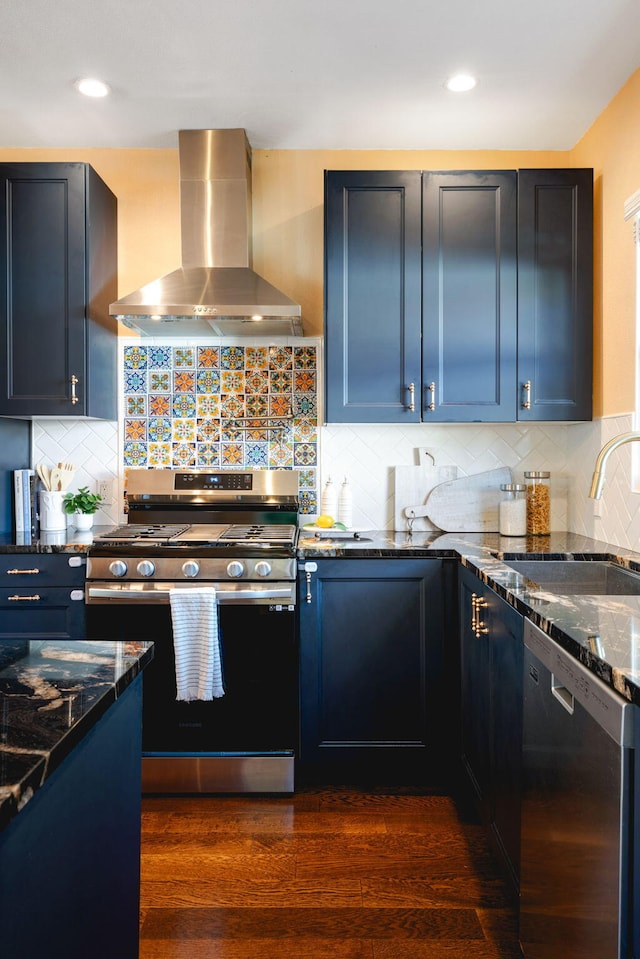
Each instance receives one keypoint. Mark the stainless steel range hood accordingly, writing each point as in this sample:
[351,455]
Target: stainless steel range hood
[215,290]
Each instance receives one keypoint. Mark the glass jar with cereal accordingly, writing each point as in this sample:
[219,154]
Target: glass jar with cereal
[538,502]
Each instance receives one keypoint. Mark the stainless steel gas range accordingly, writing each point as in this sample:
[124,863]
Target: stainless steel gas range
[237,533]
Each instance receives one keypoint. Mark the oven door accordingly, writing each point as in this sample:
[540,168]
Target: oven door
[246,740]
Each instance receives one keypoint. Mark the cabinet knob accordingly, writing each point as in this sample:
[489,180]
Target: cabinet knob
[74,382]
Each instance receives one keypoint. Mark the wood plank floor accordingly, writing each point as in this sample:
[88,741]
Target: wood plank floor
[327,874]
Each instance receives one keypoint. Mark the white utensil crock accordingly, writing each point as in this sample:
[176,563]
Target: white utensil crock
[52,515]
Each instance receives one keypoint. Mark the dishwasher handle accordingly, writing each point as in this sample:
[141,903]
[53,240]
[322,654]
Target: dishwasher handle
[562,694]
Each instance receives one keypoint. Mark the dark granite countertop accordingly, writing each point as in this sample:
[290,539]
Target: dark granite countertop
[603,632]
[51,694]
[71,540]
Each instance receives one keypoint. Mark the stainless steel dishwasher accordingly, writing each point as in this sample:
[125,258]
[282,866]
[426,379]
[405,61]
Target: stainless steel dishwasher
[577,823]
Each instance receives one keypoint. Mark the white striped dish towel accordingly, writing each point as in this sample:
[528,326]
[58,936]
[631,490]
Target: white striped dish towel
[194,615]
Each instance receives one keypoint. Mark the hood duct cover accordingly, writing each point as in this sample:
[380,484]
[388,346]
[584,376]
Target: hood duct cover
[215,289]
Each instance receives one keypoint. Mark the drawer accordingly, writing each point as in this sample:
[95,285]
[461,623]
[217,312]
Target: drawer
[36,612]
[42,569]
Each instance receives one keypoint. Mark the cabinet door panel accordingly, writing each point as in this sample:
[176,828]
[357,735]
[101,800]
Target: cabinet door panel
[54,614]
[469,296]
[555,299]
[372,296]
[474,694]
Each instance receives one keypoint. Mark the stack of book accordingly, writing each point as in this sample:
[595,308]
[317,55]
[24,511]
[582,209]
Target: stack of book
[24,501]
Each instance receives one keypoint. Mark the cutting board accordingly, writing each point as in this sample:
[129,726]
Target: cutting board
[469,504]
[412,486]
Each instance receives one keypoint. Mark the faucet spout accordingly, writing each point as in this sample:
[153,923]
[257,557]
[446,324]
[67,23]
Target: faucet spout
[597,480]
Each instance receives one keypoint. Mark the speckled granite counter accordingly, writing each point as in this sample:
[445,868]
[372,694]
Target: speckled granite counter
[71,540]
[51,694]
[603,632]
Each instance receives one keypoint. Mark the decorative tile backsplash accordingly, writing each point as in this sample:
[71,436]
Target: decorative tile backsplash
[222,407]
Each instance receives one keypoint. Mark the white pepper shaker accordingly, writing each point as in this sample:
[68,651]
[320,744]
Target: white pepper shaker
[345,505]
[329,499]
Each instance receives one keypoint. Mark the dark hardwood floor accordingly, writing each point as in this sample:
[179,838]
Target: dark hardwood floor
[327,874]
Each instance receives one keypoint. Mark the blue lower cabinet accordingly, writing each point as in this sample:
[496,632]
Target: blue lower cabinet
[377,686]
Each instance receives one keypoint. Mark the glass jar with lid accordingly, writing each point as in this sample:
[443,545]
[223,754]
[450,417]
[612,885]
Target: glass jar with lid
[513,510]
[538,502]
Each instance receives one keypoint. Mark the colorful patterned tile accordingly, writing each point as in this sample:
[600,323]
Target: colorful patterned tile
[159,454]
[208,431]
[257,455]
[232,431]
[256,431]
[159,382]
[305,454]
[280,357]
[305,430]
[232,454]
[208,381]
[135,357]
[184,358]
[135,405]
[231,406]
[304,357]
[257,381]
[305,404]
[184,404]
[307,479]
[135,454]
[256,357]
[232,357]
[308,500]
[280,457]
[207,454]
[305,381]
[280,381]
[208,405]
[135,429]
[159,357]
[257,406]
[208,357]
[232,381]
[184,382]
[159,429]
[159,405]
[183,454]
[183,430]
[135,381]
[280,404]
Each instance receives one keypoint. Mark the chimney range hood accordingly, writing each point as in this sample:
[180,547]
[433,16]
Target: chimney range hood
[215,290]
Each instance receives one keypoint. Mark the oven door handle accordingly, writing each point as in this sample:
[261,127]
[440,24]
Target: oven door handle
[222,595]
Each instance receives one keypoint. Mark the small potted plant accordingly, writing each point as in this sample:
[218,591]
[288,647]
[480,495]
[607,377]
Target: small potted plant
[82,505]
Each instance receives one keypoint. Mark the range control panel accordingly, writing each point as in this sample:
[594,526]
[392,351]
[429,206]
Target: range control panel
[213,481]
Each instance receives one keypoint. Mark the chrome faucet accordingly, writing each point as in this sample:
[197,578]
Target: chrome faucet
[597,481]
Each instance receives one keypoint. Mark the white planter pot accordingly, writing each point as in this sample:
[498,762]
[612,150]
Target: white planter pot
[83,520]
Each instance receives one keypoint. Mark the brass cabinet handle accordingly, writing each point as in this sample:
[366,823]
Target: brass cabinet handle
[481,629]
[23,572]
[431,388]
[474,600]
[412,397]
[526,395]
[32,599]
[74,382]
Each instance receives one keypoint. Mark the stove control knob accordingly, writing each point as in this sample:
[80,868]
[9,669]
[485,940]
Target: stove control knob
[146,568]
[263,568]
[235,569]
[191,568]
[118,567]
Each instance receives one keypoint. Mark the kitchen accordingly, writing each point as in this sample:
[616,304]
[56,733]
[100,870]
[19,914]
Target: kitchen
[288,249]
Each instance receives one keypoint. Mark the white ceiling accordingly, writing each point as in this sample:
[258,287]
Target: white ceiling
[312,74]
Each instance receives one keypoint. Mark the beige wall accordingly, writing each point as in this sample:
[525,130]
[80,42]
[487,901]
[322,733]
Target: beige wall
[287,213]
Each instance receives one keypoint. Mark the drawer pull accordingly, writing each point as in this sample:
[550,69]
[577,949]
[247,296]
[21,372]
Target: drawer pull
[431,390]
[22,572]
[18,599]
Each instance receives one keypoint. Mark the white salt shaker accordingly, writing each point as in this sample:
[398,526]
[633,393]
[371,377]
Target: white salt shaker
[513,510]
[329,500]
[345,505]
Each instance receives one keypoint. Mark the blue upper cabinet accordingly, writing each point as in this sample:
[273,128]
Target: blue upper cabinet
[373,294]
[555,294]
[469,297]
[448,293]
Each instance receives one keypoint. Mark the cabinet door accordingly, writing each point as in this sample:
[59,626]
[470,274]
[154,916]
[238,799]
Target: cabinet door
[475,693]
[51,612]
[373,694]
[555,294]
[58,271]
[469,296]
[373,289]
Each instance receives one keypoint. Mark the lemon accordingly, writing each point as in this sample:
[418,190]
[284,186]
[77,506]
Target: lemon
[325,522]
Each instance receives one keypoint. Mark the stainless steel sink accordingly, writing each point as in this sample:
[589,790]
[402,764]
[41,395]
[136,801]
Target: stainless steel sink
[591,577]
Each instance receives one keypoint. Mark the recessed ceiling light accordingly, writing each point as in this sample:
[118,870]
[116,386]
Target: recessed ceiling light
[91,87]
[461,83]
